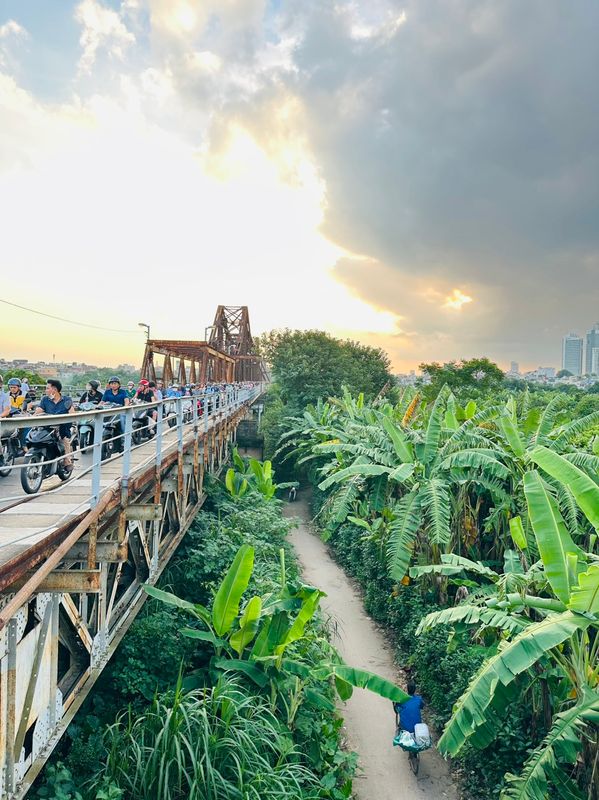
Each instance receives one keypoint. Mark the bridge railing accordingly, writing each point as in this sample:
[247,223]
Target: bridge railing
[176,414]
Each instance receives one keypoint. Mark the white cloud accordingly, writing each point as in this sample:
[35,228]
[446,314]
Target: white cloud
[102,28]
[11,28]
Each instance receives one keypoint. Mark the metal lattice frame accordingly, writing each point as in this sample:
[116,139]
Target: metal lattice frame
[54,645]
[231,333]
[187,362]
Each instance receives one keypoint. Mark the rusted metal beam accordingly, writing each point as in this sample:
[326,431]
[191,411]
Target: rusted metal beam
[74,581]
[111,552]
[144,511]
[31,584]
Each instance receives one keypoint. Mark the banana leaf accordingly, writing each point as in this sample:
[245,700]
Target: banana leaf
[226,601]
[248,626]
[402,533]
[365,470]
[514,658]
[584,489]
[196,609]
[402,447]
[562,744]
[552,536]
[585,596]
[252,671]
[361,679]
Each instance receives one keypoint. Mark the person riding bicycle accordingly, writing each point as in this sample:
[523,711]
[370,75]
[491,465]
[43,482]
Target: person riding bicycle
[54,402]
[92,393]
[408,714]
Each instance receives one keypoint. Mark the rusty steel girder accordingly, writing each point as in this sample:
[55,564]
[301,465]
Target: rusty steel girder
[66,606]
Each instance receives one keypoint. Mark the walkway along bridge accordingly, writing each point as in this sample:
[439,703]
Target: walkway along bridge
[73,559]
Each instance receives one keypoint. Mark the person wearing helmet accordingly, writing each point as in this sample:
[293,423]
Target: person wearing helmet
[115,393]
[147,394]
[4,400]
[17,398]
[92,393]
[130,390]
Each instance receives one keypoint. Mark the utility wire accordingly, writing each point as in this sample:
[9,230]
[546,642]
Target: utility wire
[62,319]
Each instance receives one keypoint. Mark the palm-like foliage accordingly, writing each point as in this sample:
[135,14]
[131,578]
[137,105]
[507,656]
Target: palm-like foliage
[556,629]
[368,453]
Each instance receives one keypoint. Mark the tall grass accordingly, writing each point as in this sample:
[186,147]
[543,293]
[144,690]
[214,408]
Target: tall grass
[213,744]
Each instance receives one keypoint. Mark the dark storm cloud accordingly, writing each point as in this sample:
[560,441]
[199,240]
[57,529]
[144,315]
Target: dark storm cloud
[465,148]
[459,148]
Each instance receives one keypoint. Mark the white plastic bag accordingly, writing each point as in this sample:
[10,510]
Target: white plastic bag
[422,735]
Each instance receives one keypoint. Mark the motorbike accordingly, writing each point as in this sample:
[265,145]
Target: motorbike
[85,428]
[112,441]
[143,427]
[44,446]
[10,449]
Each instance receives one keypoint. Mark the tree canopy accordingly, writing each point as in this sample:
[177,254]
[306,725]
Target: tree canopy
[312,364]
[480,372]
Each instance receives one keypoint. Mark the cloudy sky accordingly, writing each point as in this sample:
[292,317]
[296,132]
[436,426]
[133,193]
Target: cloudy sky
[420,175]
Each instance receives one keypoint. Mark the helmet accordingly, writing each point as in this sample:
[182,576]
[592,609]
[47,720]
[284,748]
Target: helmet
[95,385]
[144,382]
[115,379]
[14,382]
[130,383]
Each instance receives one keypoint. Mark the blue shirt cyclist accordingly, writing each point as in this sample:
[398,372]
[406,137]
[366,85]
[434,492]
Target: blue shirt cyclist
[408,713]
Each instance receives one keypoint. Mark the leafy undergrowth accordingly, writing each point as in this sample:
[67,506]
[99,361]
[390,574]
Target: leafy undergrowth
[226,739]
[441,675]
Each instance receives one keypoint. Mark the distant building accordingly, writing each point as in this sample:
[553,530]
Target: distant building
[595,361]
[514,368]
[572,353]
[545,372]
[592,343]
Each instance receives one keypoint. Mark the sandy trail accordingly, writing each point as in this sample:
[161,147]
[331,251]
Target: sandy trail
[384,772]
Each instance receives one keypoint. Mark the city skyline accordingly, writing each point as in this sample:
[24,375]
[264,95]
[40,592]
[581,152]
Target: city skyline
[421,178]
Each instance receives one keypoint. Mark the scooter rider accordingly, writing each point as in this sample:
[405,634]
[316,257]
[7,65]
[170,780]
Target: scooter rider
[54,403]
[4,400]
[147,393]
[92,393]
[116,394]
[17,398]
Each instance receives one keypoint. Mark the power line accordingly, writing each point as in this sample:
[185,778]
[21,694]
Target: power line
[62,319]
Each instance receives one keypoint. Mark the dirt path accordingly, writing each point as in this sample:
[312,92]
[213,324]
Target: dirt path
[385,773]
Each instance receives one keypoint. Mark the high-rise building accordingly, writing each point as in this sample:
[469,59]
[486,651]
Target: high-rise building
[595,361]
[572,353]
[592,343]
[514,368]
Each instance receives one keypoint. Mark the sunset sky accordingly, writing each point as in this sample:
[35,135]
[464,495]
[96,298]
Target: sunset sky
[421,176]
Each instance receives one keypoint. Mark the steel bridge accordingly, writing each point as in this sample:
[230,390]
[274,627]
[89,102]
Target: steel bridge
[74,557]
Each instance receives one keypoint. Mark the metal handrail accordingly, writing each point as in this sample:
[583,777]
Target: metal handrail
[229,400]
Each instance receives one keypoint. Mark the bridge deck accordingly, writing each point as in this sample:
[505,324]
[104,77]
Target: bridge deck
[27,525]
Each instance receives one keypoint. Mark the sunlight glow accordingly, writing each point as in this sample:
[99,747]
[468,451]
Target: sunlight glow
[456,300]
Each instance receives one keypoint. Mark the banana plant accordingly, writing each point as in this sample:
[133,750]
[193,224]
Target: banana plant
[255,474]
[256,640]
[413,472]
[556,630]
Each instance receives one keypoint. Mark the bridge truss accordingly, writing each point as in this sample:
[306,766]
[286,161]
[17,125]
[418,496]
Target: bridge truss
[67,600]
[228,355]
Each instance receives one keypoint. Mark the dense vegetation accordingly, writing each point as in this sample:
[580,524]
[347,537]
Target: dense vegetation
[193,726]
[308,365]
[472,528]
